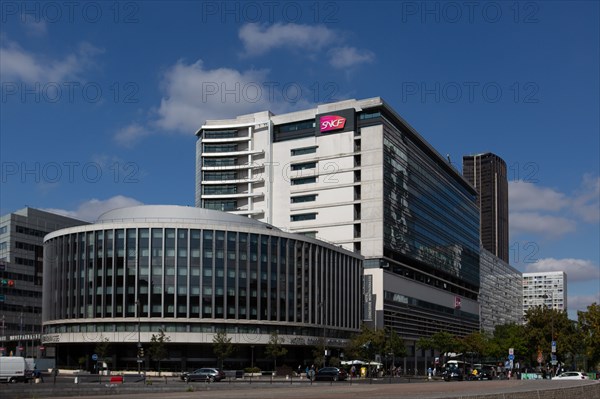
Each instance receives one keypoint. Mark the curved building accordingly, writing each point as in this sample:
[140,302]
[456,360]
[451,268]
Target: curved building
[193,273]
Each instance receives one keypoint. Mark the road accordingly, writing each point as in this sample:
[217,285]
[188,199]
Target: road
[322,390]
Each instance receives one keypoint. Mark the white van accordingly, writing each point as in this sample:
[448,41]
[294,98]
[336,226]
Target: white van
[13,369]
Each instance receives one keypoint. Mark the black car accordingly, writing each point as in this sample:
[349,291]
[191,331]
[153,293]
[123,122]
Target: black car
[331,374]
[452,374]
[203,374]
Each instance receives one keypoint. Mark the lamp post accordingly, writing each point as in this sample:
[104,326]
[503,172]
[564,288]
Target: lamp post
[322,306]
[552,341]
[139,343]
[252,356]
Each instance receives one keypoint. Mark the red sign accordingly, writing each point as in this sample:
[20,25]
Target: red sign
[332,122]
[456,302]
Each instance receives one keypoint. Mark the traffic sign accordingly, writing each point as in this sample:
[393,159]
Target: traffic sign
[511,357]
[511,351]
[94,357]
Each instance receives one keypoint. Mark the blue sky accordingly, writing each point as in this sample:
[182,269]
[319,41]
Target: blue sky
[100,100]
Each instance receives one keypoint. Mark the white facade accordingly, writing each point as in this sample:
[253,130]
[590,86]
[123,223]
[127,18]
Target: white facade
[372,186]
[548,289]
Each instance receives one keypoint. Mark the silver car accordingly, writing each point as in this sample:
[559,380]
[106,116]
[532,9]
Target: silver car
[204,374]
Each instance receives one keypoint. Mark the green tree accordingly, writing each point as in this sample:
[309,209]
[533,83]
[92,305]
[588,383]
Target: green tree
[589,324]
[545,325]
[371,342]
[222,347]
[274,348]
[158,348]
[508,336]
[102,349]
[394,344]
[365,345]
[475,345]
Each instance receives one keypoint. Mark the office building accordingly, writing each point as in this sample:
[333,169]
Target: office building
[354,173]
[194,273]
[21,268]
[487,173]
[548,289]
[501,293]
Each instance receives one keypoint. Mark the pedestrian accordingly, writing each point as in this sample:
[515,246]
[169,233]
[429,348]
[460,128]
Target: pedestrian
[353,371]
[38,374]
[54,374]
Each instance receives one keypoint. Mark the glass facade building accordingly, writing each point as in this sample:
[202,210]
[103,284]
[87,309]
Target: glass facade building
[193,273]
[356,174]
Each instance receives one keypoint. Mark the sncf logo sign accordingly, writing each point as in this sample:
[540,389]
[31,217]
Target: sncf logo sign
[332,122]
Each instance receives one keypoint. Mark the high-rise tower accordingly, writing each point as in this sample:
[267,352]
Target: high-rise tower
[487,173]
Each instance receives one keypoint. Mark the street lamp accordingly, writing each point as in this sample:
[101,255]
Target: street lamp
[552,341]
[322,306]
[139,343]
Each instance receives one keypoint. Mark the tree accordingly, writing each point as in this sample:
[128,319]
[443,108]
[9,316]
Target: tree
[158,349]
[589,324]
[394,344]
[371,342]
[102,348]
[476,344]
[222,347]
[508,336]
[545,325]
[275,349]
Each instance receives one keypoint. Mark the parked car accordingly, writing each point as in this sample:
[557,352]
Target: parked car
[203,374]
[452,374]
[484,373]
[14,369]
[331,374]
[572,375]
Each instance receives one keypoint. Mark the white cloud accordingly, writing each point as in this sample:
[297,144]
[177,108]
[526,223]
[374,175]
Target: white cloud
[581,302]
[586,203]
[346,57]
[576,269]
[34,27]
[194,94]
[91,209]
[549,212]
[19,64]
[545,225]
[525,196]
[130,134]
[259,39]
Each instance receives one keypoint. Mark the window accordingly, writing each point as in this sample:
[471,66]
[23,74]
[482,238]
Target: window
[219,176]
[293,127]
[304,150]
[304,165]
[369,115]
[220,147]
[304,198]
[3,229]
[311,234]
[220,134]
[219,161]
[303,216]
[224,206]
[219,189]
[304,180]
